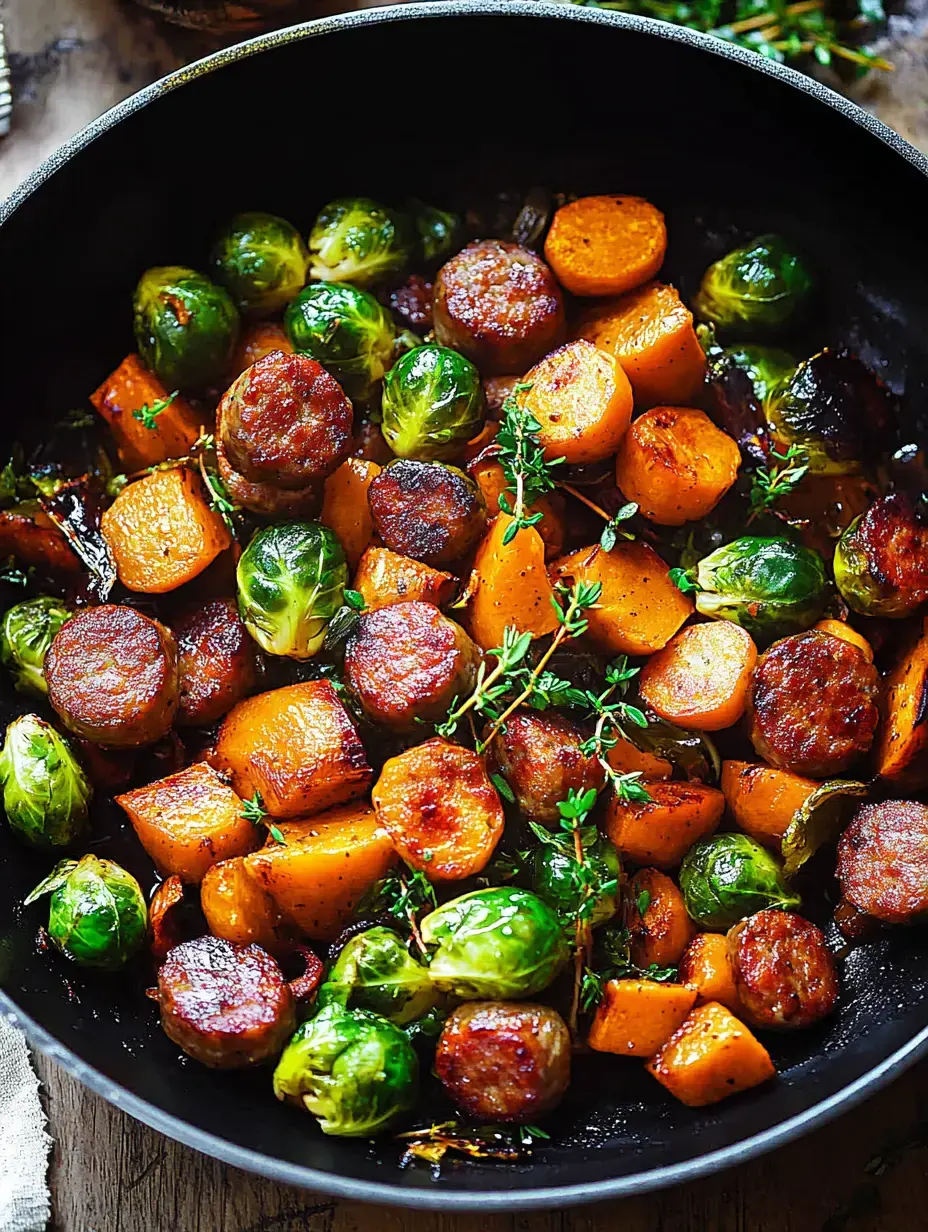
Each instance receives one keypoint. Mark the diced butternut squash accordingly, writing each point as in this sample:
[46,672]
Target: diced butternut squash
[345,509]
[296,747]
[323,868]
[902,745]
[661,932]
[662,831]
[255,341]
[705,966]
[847,633]
[121,399]
[239,909]
[162,532]
[510,586]
[639,610]
[490,478]
[764,800]
[386,577]
[635,1017]
[605,245]
[712,1055]
[700,679]
[627,758]
[189,821]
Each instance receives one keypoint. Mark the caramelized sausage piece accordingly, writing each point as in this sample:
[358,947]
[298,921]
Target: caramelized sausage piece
[227,1006]
[538,754]
[219,662]
[784,972]
[504,1060]
[813,704]
[112,676]
[407,663]
[29,534]
[285,421]
[883,861]
[427,510]
[499,305]
[267,498]
[411,304]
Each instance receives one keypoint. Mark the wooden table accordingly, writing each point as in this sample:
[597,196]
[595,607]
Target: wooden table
[868,1172]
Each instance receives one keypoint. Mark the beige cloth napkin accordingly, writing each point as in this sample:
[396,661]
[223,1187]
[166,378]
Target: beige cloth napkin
[24,1144]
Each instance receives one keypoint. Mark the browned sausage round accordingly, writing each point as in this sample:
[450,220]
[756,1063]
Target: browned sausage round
[496,390]
[112,676]
[504,1060]
[883,861]
[539,756]
[407,663]
[411,304]
[267,498]
[784,972]
[218,660]
[228,1006]
[499,305]
[812,704]
[285,421]
[427,510]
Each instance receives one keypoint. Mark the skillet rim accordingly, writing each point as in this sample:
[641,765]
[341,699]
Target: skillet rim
[495,1199]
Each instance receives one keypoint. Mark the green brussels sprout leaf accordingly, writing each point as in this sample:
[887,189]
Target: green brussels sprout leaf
[730,876]
[356,240]
[347,331]
[46,794]
[817,821]
[376,972]
[433,404]
[27,631]
[261,260]
[756,289]
[587,891]
[48,885]
[437,231]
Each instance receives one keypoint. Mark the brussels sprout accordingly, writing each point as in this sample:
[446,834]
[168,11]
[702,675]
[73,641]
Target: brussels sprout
[185,326]
[291,581]
[353,1070]
[496,943]
[756,289]
[28,629]
[560,881]
[729,876]
[433,404]
[261,261]
[771,587]
[767,367]
[356,240]
[835,409]
[376,972]
[97,915]
[345,330]
[437,231]
[881,560]
[45,792]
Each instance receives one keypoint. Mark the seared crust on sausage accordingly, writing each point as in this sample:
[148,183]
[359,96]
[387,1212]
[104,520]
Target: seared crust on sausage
[112,676]
[407,663]
[227,1006]
[784,972]
[427,510]
[895,544]
[285,421]
[29,534]
[538,754]
[267,498]
[499,305]
[813,704]
[411,304]
[219,662]
[883,861]
[504,1060]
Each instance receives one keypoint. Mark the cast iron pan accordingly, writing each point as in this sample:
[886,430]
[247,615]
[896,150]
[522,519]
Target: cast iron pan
[444,101]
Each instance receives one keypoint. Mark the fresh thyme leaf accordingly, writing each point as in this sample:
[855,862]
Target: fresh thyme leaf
[503,788]
[253,810]
[13,575]
[643,901]
[614,530]
[354,599]
[528,472]
[277,835]
[770,484]
[217,496]
[684,581]
[148,415]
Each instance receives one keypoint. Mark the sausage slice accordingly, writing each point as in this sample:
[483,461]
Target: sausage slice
[219,662]
[427,510]
[883,861]
[538,754]
[784,972]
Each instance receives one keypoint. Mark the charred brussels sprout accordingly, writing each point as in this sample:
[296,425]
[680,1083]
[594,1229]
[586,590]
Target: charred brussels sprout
[261,261]
[353,1070]
[771,587]
[437,231]
[45,792]
[433,404]
[727,877]
[356,240]
[881,560]
[97,915]
[767,367]
[185,326]
[496,943]
[756,289]
[376,972]
[562,883]
[28,629]
[291,581]
[345,330]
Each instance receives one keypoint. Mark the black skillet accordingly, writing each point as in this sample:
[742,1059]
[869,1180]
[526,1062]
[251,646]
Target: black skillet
[445,101]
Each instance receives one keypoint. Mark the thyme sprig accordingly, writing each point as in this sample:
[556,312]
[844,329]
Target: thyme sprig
[615,944]
[528,472]
[770,483]
[253,810]
[148,415]
[491,686]
[402,895]
[611,715]
[505,1142]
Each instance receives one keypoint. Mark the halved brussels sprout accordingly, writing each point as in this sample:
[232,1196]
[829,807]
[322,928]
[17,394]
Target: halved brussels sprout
[45,792]
[756,289]
[97,915]
[433,404]
[291,582]
[261,261]
[376,972]
[818,820]
[771,587]
[347,331]
[767,367]
[881,560]
[437,231]
[185,326]
[353,1070]
[560,881]
[495,943]
[728,877]
[354,239]
[28,629]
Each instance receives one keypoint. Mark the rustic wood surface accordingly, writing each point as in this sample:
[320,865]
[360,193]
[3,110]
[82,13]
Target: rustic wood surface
[868,1172]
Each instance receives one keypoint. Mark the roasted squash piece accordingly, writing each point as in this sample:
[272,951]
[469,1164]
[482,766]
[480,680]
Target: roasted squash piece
[902,744]
[386,577]
[636,1016]
[712,1055]
[764,800]
[705,966]
[662,830]
[240,910]
[510,586]
[345,509]
[145,440]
